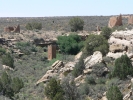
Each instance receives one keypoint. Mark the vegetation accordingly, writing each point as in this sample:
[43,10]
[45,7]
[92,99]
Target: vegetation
[10,86]
[106,32]
[76,24]
[53,90]
[34,25]
[71,44]
[8,60]
[123,67]
[79,67]
[114,93]
[96,43]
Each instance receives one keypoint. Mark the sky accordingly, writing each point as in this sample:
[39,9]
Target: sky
[47,8]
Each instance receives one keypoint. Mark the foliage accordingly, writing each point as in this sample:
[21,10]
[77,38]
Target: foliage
[9,86]
[90,79]
[106,32]
[79,67]
[70,44]
[2,51]
[34,25]
[53,90]
[76,24]
[98,69]
[123,67]
[114,93]
[26,47]
[70,89]
[96,43]
[8,60]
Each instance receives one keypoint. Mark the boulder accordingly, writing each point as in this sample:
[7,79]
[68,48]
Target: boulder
[93,59]
[115,21]
[5,67]
[78,55]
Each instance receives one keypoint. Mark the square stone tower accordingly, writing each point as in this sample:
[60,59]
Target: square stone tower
[51,51]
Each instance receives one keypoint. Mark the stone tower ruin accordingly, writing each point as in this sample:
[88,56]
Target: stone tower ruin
[51,51]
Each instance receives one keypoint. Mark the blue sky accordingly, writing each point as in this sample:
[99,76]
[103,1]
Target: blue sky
[44,8]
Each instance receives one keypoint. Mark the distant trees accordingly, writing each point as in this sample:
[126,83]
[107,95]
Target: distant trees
[76,24]
[71,44]
[114,93]
[96,43]
[32,26]
[123,67]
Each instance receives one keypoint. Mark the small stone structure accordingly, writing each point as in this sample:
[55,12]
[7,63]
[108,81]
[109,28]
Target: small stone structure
[115,21]
[130,19]
[15,29]
[51,51]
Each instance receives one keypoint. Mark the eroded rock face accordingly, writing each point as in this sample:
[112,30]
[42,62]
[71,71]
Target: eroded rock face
[130,20]
[115,21]
[93,59]
[15,29]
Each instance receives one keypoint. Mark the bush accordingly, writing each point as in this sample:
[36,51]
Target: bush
[106,32]
[8,60]
[114,93]
[76,24]
[53,90]
[90,79]
[79,67]
[123,67]
[96,43]
[70,44]
[32,26]
[2,51]
[10,86]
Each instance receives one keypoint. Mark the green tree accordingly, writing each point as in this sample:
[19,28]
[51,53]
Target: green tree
[114,93]
[53,90]
[28,26]
[96,43]
[71,44]
[8,86]
[8,60]
[123,67]
[34,25]
[106,32]
[76,24]
[79,67]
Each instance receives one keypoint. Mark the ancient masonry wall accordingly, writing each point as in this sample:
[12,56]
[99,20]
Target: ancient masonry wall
[51,51]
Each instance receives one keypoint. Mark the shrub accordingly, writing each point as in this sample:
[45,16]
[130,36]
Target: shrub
[76,24]
[114,93]
[96,43]
[53,90]
[106,32]
[34,25]
[10,86]
[90,79]
[70,44]
[123,67]
[8,60]
[2,51]
[79,67]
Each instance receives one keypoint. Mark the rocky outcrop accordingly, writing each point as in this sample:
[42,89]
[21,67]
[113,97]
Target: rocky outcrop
[120,43]
[115,21]
[15,29]
[58,69]
[130,19]
[5,67]
[93,59]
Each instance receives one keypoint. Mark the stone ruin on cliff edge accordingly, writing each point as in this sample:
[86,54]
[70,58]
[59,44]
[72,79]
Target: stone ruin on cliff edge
[115,21]
[15,29]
